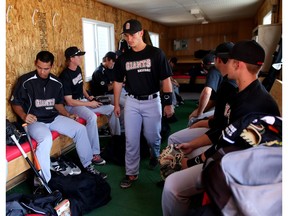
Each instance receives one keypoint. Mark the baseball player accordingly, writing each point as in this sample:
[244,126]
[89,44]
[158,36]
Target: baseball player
[208,94]
[144,67]
[102,82]
[243,64]
[38,100]
[79,102]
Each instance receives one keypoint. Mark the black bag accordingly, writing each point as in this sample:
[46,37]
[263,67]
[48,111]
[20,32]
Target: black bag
[21,204]
[12,128]
[105,100]
[89,191]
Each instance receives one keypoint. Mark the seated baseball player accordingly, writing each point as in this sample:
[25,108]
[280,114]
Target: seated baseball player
[102,82]
[79,102]
[38,100]
[242,64]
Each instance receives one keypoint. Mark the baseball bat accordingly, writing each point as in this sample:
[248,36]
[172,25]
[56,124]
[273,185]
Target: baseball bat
[40,178]
[35,159]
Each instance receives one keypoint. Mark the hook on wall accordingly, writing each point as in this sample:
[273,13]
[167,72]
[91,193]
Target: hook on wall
[33,15]
[54,18]
[7,13]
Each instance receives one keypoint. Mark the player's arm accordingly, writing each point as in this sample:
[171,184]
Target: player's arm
[117,86]
[72,102]
[203,101]
[167,97]
[62,111]
[28,118]
[86,95]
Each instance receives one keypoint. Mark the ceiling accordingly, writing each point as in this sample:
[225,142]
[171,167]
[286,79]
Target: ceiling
[178,12]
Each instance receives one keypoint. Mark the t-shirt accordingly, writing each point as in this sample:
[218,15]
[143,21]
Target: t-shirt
[213,80]
[72,82]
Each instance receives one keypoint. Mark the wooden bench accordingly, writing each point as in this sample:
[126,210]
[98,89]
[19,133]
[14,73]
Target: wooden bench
[17,166]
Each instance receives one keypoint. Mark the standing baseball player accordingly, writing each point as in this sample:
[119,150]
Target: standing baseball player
[38,100]
[143,67]
[79,102]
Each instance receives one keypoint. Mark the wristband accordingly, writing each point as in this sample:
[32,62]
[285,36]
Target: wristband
[167,98]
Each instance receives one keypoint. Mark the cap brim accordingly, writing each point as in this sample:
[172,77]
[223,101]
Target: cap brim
[80,54]
[129,32]
[223,55]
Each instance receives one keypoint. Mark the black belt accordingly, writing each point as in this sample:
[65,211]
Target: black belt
[143,97]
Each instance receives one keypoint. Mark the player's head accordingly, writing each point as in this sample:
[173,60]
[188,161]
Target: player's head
[220,61]
[208,61]
[109,59]
[73,55]
[133,32]
[248,52]
[43,63]
[45,56]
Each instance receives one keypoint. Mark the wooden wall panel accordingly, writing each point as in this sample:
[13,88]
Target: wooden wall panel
[25,39]
[208,36]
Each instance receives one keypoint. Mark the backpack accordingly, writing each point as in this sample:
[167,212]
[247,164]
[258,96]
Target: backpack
[86,190]
[247,168]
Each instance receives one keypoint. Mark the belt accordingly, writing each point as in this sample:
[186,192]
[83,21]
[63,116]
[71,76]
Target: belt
[143,97]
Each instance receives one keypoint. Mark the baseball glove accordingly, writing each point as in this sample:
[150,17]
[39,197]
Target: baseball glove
[252,134]
[170,160]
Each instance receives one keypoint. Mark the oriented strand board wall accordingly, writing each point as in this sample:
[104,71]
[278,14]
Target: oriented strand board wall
[24,39]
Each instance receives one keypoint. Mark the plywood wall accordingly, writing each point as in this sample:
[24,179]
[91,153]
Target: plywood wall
[27,34]
[57,24]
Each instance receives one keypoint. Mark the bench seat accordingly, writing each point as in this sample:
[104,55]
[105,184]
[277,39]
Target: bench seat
[17,166]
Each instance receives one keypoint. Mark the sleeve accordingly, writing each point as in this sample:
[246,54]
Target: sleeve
[67,83]
[98,84]
[118,70]
[19,95]
[165,69]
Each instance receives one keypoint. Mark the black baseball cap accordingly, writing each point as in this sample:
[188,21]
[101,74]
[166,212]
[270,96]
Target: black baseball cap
[223,49]
[111,55]
[209,59]
[73,51]
[248,51]
[131,26]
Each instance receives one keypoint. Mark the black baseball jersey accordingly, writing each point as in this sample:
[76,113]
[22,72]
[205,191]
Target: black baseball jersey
[227,90]
[72,82]
[100,79]
[253,98]
[213,80]
[38,96]
[143,70]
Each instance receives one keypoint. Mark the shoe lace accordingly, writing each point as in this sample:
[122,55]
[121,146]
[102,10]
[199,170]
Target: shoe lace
[92,170]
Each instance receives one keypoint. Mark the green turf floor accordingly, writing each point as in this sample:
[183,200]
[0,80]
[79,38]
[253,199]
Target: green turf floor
[144,197]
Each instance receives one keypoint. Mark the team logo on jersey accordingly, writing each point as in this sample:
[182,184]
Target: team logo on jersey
[45,103]
[102,83]
[140,66]
[77,79]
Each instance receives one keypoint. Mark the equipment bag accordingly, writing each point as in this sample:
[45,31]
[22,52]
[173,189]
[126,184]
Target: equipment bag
[14,128]
[89,191]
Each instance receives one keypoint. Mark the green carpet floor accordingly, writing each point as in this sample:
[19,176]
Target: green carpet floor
[144,197]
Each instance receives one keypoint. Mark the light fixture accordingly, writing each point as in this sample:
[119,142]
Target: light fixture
[195,11]
[205,22]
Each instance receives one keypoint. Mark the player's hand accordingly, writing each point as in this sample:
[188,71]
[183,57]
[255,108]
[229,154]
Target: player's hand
[30,118]
[95,104]
[194,114]
[90,98]
[185,147]
[73,116]
[168,111]
[117,111]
